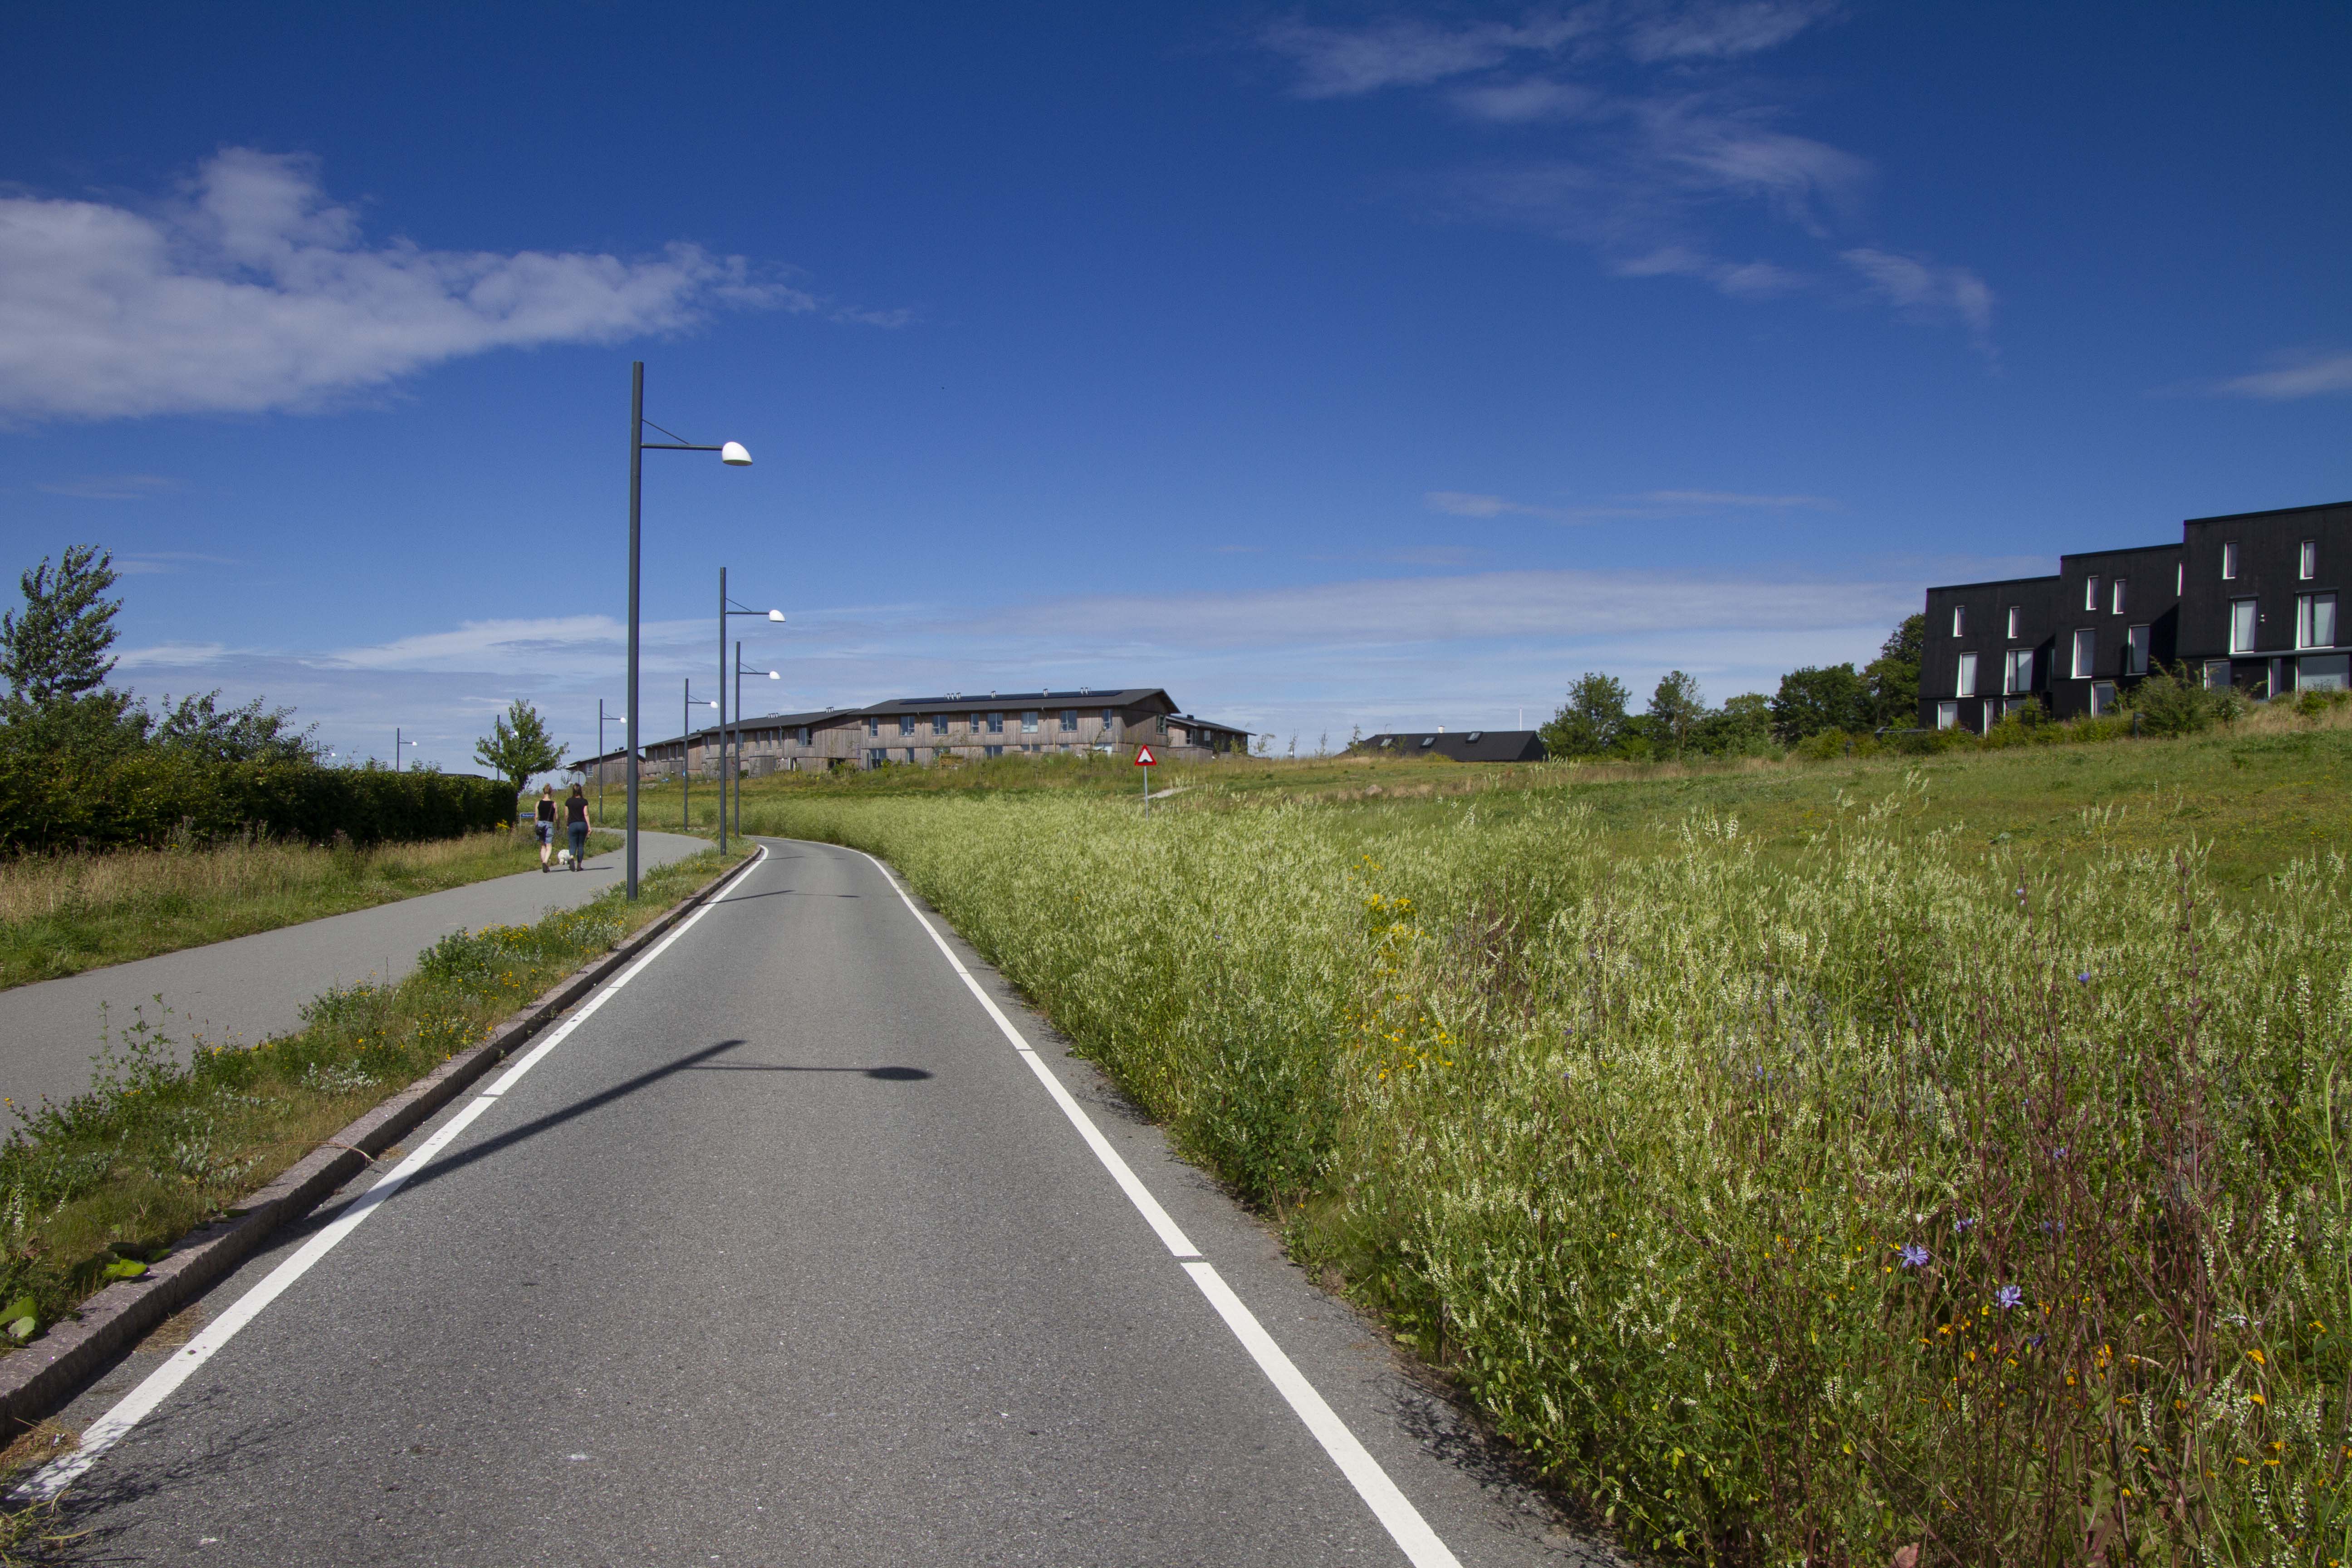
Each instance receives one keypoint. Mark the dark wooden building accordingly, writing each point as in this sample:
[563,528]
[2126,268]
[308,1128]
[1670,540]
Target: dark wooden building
[2248,600]
[1457,745]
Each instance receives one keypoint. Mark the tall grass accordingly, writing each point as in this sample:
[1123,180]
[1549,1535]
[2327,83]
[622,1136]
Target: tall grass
[65,913]
[1904,1193]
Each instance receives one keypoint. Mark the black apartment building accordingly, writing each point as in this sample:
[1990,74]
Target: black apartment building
[2247,600]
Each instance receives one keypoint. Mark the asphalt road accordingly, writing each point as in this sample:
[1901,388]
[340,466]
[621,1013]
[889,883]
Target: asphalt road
[784,1255]
[252,988]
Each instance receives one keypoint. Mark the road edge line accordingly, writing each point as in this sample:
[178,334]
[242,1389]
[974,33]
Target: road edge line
[44,1375]
[1413,1534]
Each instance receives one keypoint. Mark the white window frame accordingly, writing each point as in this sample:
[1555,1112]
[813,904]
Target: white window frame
[2136,650]
[2180,578]
[2230,561]
[1947,715]
[2115,596]
[1965,680]
[2091,593]
[2217,675]
[2016,615]
[2307,620]
[2102,697]
[2085,655]
[2017,672]
[2307,560]
[1029,720]
[2245,609]
[1960,620]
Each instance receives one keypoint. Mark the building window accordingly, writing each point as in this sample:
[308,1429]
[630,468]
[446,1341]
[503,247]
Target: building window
[2136,650]
[2241,625]
[2086,651]
[877,756]
[992,750]
[2015,617]
[2314,620]
[910,753]
[803,732]
[1967,680]
[1029,720]
[1960,620]
[2332,672]
[1110,720]
[2090,593]
[1069,720]
[2307,560]
[938,723]
[2217,675]
[2017,671]
[996,727]
[2180,578]
[2102,697]
[873,727]
[1947,715]
[2115,596]
[907,725]
[2229,563]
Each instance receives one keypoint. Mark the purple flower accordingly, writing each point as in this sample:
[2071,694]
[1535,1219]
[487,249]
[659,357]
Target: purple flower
[2084,977]
[2008,1295]
[1963,1224]
[1914,1255]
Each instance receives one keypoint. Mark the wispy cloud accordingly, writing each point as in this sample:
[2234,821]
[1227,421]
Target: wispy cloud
[158,563]
[2305,374]
[1651,504]
[250,290]
[1655,131]
[110,487]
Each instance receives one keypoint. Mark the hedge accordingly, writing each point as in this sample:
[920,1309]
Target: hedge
[64,800]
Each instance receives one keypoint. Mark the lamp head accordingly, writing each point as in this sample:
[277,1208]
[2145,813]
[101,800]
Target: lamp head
[733,455]
[776,615]
[773,676]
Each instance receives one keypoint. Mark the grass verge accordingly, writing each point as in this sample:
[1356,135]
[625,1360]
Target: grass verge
[97,1188]
[61,914]
[1799,1164]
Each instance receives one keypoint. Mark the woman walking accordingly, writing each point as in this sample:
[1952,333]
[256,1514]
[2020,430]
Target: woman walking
[546,825]
[575,824]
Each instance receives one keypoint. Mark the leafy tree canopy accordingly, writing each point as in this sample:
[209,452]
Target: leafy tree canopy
[53,650]
[519,746]
[1675,710]
[1816,699]
[1592,720]
[1893,675]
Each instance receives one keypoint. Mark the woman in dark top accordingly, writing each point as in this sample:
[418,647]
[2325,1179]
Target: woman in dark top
[546,825]
[575,824]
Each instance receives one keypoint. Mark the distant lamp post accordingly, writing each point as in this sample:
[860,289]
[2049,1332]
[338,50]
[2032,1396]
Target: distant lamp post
[727,607]
[730,453]
[396,744]
[686,757]
[603,718]
[740,673]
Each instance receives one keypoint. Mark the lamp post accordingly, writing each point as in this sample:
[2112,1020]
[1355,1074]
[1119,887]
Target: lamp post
[396,743]
[686,758]
[772,675]
[730,453]
[727,607]
[601,721]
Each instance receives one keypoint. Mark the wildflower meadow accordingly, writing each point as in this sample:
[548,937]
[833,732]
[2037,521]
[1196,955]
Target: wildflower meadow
[1903,1194]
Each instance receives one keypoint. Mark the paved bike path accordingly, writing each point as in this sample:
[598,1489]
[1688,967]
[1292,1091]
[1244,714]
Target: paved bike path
[251,988]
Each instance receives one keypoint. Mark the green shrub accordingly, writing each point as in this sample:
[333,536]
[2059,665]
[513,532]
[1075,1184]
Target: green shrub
[2174,701]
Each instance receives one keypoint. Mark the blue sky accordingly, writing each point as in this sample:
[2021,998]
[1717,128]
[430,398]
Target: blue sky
[1334,366]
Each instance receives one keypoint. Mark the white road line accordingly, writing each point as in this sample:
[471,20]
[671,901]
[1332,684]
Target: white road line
[135,1407]
[1395,1512]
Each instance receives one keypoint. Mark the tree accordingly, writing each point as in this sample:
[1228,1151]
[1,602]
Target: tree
[246,734]
[518,746]
[1676,710]
[1816,699]
[53,651]
[1894,675]
[1592,720]
[1742,727]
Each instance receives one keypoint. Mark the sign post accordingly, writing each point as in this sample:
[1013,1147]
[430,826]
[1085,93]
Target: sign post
[1144,759]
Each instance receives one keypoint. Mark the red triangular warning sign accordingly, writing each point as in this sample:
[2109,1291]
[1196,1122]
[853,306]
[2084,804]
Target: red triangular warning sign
[1144,759]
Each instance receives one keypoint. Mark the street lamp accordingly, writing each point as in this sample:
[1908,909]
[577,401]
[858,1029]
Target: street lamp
[686,758]
[740,673]
[730,453]
[601,720]
[727,607]
[396,743]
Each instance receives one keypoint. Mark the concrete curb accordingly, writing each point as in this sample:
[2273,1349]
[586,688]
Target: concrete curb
[45,1374]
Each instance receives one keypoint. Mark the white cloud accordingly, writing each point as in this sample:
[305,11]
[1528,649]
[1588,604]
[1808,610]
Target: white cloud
[1645,504]
[250,291]
[2304,376]
[1343,62]
[1924,290]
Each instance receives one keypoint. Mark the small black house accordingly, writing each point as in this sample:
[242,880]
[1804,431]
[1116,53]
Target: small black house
[1458,745]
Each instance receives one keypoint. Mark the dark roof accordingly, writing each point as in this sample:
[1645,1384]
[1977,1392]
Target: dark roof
[2119,550]
[960,702]
[1459,745]
[1995,582]
[1199,723]
[2274,511]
